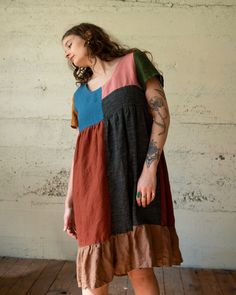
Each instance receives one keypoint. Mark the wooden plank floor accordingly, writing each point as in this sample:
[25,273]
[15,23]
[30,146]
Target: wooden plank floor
[51,277]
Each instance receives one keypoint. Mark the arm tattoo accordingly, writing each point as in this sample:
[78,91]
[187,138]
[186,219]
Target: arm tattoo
[153,153]
[161,92]
[155,103]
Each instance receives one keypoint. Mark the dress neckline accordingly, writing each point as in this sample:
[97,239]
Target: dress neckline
[109,79]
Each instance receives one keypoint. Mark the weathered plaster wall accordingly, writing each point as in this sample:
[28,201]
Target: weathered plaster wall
[193,43]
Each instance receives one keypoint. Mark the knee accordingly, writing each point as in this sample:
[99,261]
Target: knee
[144,281]
[141,273]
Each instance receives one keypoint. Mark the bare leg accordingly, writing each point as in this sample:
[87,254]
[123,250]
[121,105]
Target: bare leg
[97,291]
[144,281]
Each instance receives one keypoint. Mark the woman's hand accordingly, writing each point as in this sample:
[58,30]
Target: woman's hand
[69,222]
[146,188]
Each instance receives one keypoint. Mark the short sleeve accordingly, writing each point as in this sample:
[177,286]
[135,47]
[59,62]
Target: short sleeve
[74,116]
[145,69]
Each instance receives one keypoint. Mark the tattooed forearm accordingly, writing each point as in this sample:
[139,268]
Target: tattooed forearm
[158,107]
[161,113]
[161,92]
[153,153]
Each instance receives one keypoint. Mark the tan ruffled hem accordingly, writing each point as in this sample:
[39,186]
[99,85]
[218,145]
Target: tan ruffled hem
[148,245]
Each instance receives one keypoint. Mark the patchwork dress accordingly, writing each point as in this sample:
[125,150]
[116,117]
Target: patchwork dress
[114,234]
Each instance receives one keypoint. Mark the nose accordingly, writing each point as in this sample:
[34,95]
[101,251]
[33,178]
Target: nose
[66,53]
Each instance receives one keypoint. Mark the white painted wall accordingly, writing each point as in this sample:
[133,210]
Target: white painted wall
[193,43]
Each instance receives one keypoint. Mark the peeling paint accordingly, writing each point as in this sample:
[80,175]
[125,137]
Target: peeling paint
[196,197]
[221,157]
[223,181]
[193,199]
[41,87]
[57,186]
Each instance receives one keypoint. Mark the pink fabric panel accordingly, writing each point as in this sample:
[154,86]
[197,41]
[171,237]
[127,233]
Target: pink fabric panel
[124,75]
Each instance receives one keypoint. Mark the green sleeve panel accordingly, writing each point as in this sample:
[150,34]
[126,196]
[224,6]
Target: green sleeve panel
[145,69]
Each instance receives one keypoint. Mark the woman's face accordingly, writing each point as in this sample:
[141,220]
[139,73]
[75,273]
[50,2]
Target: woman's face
[75,50]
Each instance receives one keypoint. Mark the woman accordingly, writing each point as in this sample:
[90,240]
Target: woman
[119,205]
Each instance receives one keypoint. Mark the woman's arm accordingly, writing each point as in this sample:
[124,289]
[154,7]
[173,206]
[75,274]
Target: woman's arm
[68,200]
[158,107]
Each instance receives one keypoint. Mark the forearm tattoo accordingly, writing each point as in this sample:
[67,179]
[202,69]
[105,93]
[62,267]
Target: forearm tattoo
[153,153]
[155,104]
[161,92]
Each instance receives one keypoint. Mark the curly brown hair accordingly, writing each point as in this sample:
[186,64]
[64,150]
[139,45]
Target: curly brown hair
[99,44]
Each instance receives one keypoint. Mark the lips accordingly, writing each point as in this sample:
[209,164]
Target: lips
[71,58]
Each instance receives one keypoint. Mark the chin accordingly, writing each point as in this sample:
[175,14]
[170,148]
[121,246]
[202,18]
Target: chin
[79,65]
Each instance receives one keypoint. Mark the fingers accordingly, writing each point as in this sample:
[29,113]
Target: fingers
[153,195]
[138,197]
[65,225]
[69,226]
[71,231]
[144,198]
